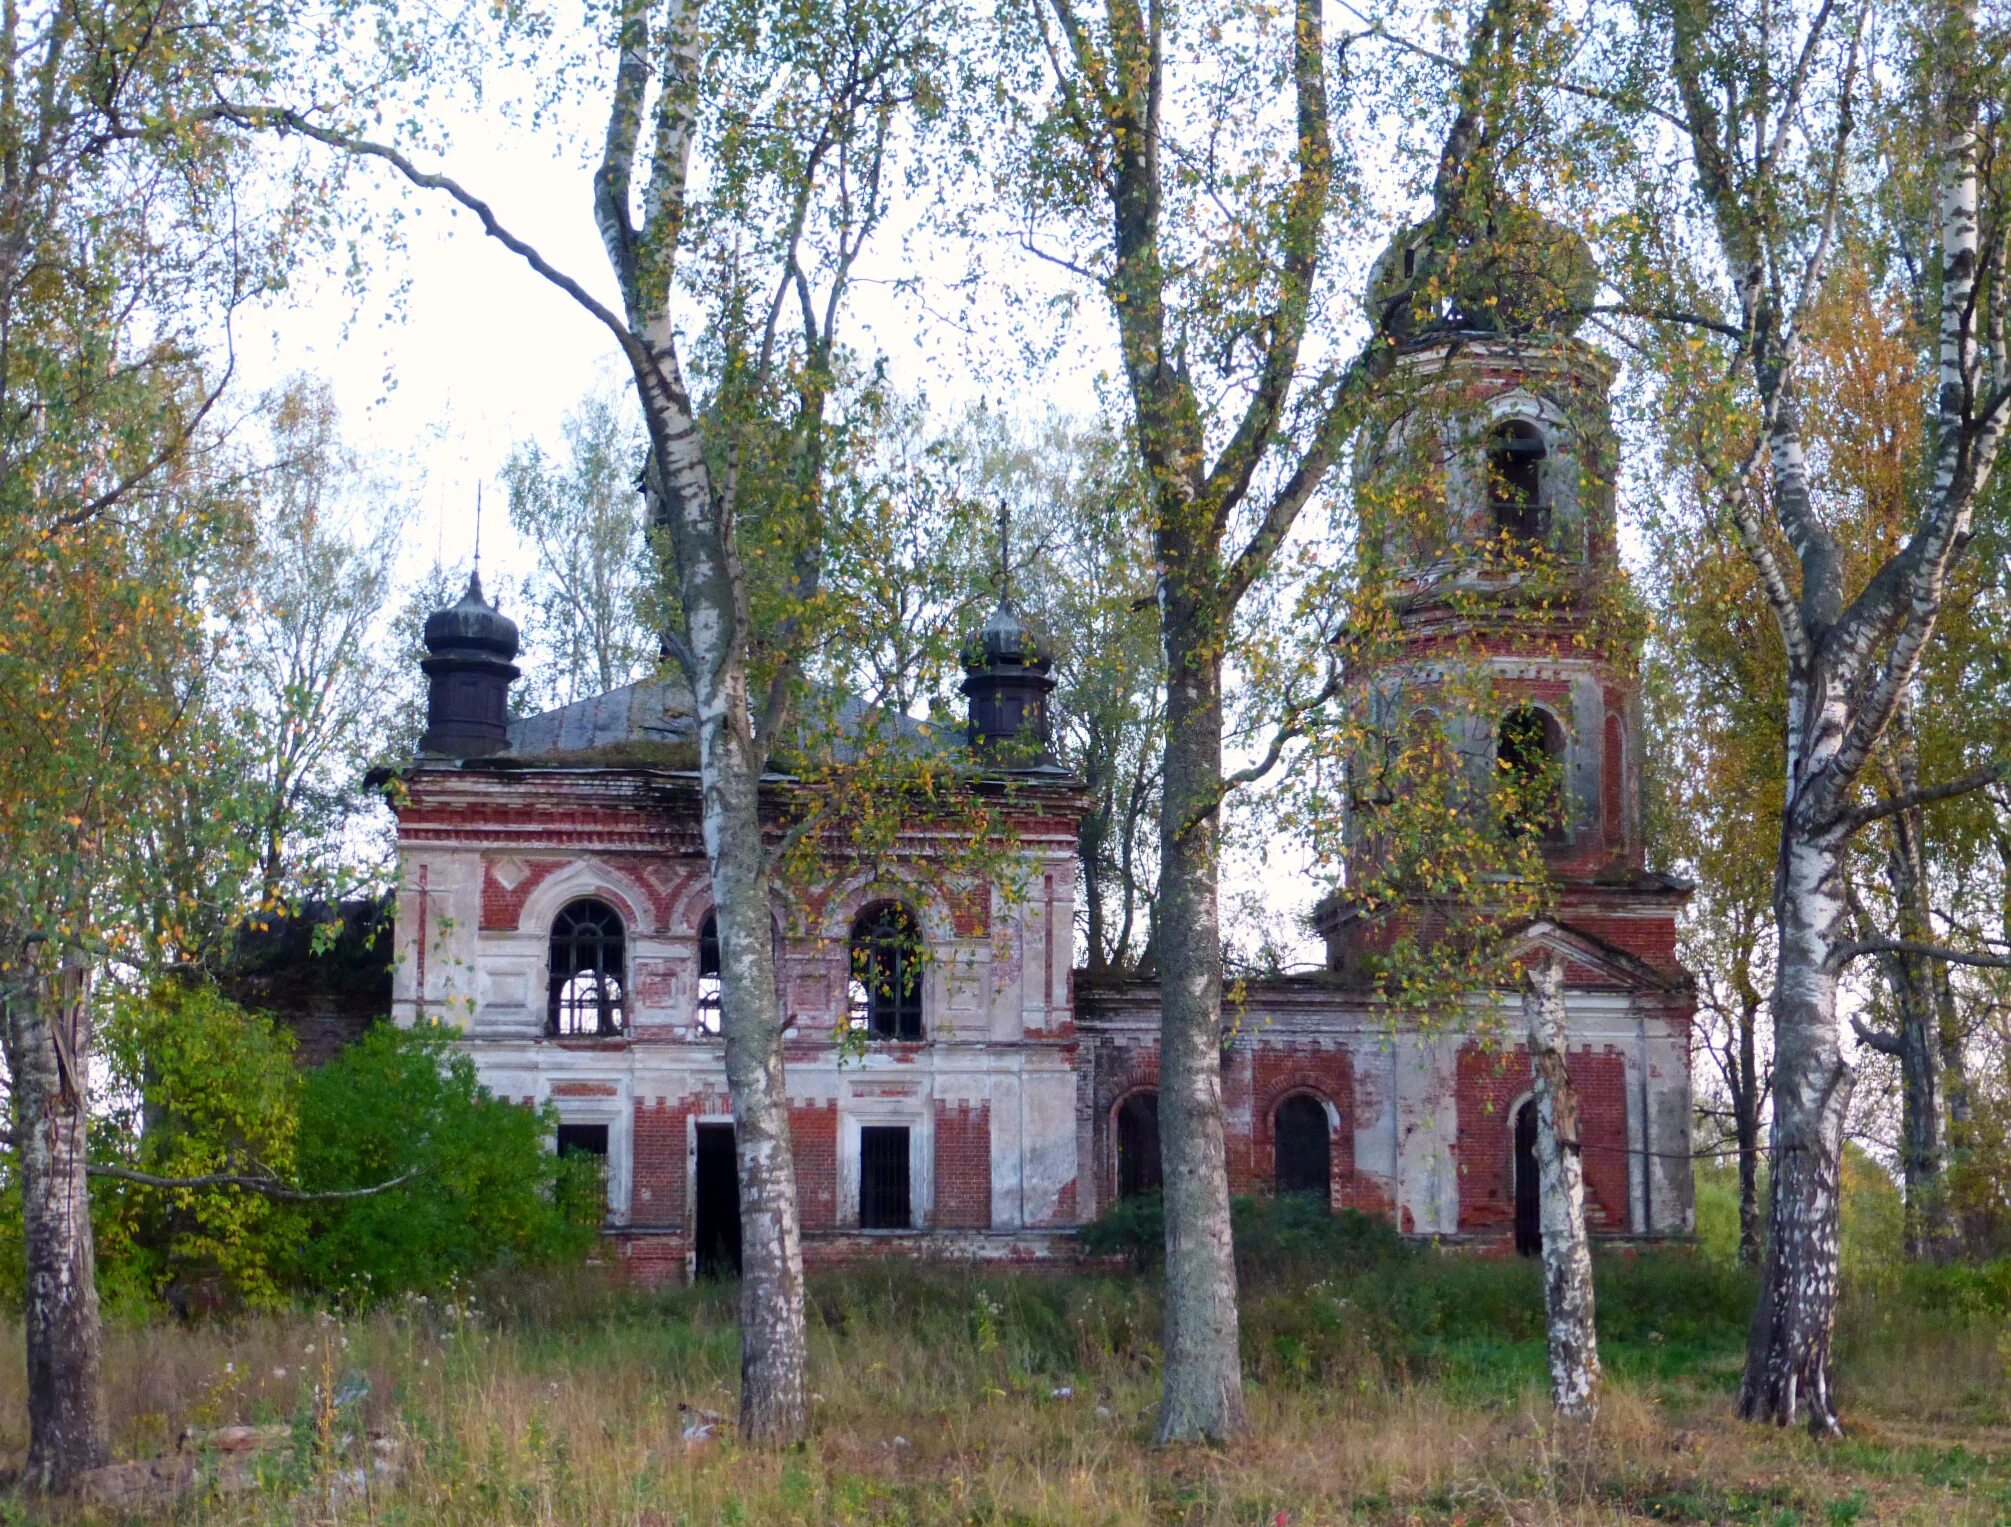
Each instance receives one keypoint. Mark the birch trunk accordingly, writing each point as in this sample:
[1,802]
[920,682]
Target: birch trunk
[1850,661]
[1202,1394]
[697,509]
[1567,1251]
[48,1054]
[774,1394]
[1788,1349]
[774,1403]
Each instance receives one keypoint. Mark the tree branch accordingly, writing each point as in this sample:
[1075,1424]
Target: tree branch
[1845,953]
[1927,795]
[285,120]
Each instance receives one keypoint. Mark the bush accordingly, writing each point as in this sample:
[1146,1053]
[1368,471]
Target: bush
[1276,1238]
[198,1086]
[484,1189]
[1132,1228]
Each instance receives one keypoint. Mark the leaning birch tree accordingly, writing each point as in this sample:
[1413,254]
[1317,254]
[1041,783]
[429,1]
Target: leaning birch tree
[1155,170]
[793,118]
[1796,169]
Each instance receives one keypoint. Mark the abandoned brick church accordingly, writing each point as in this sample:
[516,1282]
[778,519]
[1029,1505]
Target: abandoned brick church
[553,903]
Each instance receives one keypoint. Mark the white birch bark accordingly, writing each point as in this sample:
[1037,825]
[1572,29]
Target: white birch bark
[1567,1250]
[698,512]
[1849,661]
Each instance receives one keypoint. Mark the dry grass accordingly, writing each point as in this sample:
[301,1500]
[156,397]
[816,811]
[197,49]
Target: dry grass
[947,1399]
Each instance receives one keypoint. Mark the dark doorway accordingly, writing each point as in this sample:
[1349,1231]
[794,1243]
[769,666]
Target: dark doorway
[716,1201]
[1138,1166]
[1528,1186]
[884,1200]
[1305,1156]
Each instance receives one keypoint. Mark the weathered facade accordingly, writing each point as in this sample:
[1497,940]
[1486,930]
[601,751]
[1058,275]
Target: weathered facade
[988,1099]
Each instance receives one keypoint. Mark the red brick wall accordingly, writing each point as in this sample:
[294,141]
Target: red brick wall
[503,906]
[1275,1074]
[1489,1085]
[654,1261]
[813,1136]
[1652,939]
[963,1167]
[659,1170]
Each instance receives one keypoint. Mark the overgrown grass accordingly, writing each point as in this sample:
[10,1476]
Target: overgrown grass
[1386,1385]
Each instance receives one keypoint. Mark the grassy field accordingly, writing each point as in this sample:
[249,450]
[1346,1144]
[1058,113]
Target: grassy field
[1383,1388]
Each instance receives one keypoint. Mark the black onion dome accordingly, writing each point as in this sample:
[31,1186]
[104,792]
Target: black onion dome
[471,625]
[1515,272]
[1007,639]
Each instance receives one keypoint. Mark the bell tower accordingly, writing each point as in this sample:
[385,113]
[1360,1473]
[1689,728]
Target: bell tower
[1501,622]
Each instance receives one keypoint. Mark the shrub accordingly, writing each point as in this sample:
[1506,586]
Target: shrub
[1133,1228]
[484,1191]
[198,1086]
[1276,1238]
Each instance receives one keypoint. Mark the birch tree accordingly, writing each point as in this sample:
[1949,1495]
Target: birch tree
[1771,104]
[797,113]
[1153,171]
[1567,1250]
[121,262]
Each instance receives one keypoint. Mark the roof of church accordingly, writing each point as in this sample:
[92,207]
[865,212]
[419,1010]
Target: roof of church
[660,711]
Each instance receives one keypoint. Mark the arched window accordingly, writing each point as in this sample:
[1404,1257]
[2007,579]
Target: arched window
[885,990]
[1528,1190]
[1515,452]
[1304,1148]
[586,970]
[1529,753]
[708,975]
[1138,1165]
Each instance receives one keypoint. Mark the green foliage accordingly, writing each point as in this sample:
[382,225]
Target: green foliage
[208,1088]
[200,1085]
[1132,1228]
[484,1189]
[1276,1237]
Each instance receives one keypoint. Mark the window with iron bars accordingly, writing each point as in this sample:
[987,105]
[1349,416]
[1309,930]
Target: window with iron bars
[885,991]
[586,966]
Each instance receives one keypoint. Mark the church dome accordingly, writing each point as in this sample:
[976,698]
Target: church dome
[1007,639]
[1517,272]
[471,624]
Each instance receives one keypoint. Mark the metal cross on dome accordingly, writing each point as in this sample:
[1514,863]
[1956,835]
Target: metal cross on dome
[1005,550]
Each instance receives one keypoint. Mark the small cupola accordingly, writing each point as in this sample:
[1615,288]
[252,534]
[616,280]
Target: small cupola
[469,647]
[1007,680]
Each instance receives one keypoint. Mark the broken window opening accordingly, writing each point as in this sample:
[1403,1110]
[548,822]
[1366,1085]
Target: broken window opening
[708,975]
[588,1142]
[588,955]
[885,990]
[1139,1169]
[1515,454]
[1304,1148]
[885,1202]
[1529,752]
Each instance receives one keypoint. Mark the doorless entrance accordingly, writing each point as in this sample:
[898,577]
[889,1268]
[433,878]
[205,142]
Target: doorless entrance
[716,1200]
